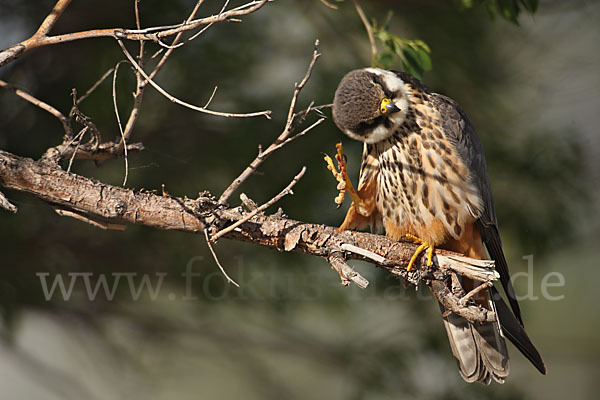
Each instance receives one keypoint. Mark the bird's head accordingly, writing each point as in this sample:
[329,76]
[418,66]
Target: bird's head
[370,104]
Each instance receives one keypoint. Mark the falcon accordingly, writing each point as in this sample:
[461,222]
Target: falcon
[423,176]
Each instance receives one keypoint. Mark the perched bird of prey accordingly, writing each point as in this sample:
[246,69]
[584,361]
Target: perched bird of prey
[423,176]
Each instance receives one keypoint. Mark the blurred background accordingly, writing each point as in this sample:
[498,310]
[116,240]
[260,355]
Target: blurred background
[291,331]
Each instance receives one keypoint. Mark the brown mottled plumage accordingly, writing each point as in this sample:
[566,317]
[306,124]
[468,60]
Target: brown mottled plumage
[423,173]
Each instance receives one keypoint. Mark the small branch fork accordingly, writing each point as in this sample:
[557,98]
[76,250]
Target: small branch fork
[72,146]
[248,217]
[284,138]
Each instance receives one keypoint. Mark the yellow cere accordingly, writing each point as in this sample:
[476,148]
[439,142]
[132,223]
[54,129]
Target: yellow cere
[384,104]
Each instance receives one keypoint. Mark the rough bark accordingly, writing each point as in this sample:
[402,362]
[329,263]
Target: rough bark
[96,201]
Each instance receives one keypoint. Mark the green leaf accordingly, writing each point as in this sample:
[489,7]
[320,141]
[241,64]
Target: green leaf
[384,59]
[425,60]
[507,9]
[530,5]
[412,62]
[413,54]
[423,45]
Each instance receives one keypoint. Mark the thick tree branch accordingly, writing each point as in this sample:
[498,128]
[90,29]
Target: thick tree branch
[117,205]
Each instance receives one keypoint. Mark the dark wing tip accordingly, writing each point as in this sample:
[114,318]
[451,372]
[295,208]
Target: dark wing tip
[491,238]
[515,332]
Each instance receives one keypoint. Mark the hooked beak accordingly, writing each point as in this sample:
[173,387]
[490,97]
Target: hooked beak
[391,108]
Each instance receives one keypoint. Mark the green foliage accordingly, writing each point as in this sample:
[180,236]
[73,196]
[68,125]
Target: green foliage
[414,54]
[507,9]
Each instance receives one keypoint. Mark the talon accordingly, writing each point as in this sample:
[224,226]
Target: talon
[344,182]
[423,245]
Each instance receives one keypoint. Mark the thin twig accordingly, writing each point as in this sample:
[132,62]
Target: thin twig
[95,86]
[201,31]
[114,96]
[78,138]
[262,155]
[330,5]
[299,86]
[212,251]
[287,190]
[39,103]
[138,25]
[317,109]
[174,99]
[369,29]
[168,53]
[141,82]
[51,18]
[98,224]
[291,139]
[148,34]
[464,299]
[211,97]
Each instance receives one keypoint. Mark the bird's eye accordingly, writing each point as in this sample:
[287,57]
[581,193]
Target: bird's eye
[383,105]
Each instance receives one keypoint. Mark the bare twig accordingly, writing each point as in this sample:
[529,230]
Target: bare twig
[330,5]
[51,19]
[201,31]
[211,97]
[271,149]
[90,151]
[78,139]
[138,25]
[94,86]
[123,141]
[279,142]
[153,34]
[287,190]
[39,103]
[297,88]
[212,251]
[369,30]
[94,222]
[141,81]
[347,273]
[182,103]
[473,292]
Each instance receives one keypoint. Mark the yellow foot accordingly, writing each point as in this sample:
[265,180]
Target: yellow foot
[344,183]
[420,249]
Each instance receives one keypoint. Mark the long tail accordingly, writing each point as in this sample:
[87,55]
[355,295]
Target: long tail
[515,332]
[479,349]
